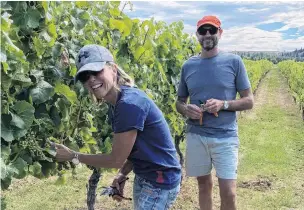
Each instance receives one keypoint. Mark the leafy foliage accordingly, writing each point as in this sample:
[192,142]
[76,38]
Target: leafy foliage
[294,72]
[256,70]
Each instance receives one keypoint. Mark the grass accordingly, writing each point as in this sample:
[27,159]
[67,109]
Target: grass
[272,149]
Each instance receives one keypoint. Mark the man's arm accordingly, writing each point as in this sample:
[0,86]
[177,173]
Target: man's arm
[244,103]
[181,105]
[188,110]
[126,168]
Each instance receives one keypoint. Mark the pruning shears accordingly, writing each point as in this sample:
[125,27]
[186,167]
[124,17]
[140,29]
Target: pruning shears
[111,191]
[202,106]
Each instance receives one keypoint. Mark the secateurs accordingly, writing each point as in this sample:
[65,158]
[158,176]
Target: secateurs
[202,105]
[111,191]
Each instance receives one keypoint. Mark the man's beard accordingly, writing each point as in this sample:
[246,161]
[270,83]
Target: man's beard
[213,41]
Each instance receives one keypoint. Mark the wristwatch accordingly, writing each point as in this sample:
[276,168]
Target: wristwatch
[75,159]
[226,105]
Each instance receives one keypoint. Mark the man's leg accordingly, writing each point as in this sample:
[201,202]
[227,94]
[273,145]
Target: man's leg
[228,194]
[198,164]
[224,155]
[205,192]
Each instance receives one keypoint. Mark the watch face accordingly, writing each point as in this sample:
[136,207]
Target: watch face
[225,105]
[75,161]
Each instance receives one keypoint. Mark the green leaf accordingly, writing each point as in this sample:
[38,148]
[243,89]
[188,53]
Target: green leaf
[81,4]
[54,114]
[33,17]
[25,111]
[61,180]
[21,78]
[6,82]
[6,131]
[45,5]
[5,22]
[65,90]
[35,169]
[128,26]
[114,12]
[21,166]
[17,121]
[5,183]
[5,152]
[117,24]
[5,67]
[139,51]
[73,70]
[42,92]
[7,171]
[46,36]
[52,30]
[39,47]
[38,75]
[62,106]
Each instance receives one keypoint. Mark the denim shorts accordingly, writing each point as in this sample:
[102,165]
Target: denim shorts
[148,197]
[204,152]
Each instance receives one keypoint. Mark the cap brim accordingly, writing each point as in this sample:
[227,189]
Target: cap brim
[95,66]
[210,23]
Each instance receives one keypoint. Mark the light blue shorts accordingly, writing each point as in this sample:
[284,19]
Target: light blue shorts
[203,152]
[148,197]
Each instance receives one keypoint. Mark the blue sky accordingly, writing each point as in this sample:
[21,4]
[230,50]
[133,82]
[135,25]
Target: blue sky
[248,26]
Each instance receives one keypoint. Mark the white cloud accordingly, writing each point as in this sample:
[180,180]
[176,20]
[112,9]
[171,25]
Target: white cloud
[254,39]
[248,10]
[291,19]
[167,4]
[198,12]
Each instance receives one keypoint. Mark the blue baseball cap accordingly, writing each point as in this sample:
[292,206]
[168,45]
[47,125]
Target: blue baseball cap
[92,58]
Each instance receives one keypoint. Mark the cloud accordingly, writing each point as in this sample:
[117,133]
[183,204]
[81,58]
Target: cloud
[198,12]
[167,4]
[291,19]
[248,10]
[254,39]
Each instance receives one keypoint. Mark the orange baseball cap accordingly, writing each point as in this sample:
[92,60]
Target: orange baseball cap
[210,19]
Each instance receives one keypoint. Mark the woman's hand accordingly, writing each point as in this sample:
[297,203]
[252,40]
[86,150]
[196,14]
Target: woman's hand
[63,153]
[119,183]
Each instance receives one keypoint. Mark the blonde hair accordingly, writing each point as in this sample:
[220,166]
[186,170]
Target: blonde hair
[122,79]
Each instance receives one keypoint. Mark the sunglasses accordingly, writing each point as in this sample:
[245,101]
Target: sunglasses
[85,76]
[203,30]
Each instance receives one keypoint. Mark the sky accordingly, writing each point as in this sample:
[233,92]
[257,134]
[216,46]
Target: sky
[248,26]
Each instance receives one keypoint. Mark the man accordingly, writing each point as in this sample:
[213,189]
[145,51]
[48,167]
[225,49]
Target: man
[211,81]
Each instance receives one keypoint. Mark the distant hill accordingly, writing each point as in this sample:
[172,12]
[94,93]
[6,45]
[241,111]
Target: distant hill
[274,56]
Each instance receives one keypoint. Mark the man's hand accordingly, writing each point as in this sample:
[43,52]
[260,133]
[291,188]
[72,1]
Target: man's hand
[213,105]
[119,183]
[193,112]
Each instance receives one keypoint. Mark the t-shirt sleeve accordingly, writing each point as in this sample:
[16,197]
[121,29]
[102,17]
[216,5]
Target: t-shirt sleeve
[242,80]
[182,87]
[130,116]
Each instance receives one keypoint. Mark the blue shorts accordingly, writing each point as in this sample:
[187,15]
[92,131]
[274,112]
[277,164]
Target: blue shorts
[203,152]
[148,197]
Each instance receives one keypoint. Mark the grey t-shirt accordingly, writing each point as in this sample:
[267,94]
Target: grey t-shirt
[219,77]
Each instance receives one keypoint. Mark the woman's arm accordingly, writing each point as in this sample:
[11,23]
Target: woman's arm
[122,146]
[126,168]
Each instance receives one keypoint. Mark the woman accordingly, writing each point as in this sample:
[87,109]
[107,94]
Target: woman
[142,140]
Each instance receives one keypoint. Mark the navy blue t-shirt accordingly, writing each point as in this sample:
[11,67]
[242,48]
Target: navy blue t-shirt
[153,155]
